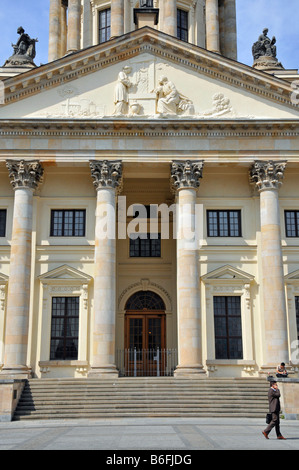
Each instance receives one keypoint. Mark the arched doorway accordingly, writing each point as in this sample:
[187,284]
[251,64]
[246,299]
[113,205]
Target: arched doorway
[145,334]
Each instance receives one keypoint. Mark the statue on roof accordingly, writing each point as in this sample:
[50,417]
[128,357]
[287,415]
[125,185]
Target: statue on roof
[264,52]
[24,50]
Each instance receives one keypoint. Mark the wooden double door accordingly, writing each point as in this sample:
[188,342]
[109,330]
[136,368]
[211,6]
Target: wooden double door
[144,343]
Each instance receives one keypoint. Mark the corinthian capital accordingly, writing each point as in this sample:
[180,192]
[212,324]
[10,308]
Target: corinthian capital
[267,175]
[186,174]
[25,174]
[106,174]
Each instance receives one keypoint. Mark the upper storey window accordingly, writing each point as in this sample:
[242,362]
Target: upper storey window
[104,25]
[183,26]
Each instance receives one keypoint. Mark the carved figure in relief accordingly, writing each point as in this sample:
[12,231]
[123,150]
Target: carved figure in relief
[169,100]
[121,92]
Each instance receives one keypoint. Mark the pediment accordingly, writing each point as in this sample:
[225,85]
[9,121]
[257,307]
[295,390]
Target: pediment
[228,273]
[3,279]
[293,276]
[65,273]
[86,85]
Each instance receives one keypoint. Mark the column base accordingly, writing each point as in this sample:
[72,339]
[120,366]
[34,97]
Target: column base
[16,372]
[106,372]
[190,371]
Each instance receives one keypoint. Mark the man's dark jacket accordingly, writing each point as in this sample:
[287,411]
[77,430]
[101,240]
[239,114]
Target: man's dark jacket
[274,403]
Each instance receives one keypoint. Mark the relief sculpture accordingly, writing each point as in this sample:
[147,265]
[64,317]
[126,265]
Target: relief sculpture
[170,101]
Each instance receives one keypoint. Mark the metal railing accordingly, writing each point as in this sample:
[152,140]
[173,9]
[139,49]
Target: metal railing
[146,362]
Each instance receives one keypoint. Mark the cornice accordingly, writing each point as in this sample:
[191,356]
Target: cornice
[146,128]
[159,44]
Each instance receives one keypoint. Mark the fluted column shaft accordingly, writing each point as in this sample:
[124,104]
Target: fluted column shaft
[186,177]
[117,17]
[170,17]
[74,26]
[267,176]
[106,177]
[25,177]
[54,30]
[212,26]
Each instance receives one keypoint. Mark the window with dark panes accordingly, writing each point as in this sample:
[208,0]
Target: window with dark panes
[224,223]
[228,327]
[64,328]
[104,25]
[146,246]
[297,315]
[2,222]
[182,25]
[68,223]
[292,223]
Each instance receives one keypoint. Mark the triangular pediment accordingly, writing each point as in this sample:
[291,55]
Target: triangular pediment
[293,276]
[3,279]
[84,85]
[65,273]
[227,272]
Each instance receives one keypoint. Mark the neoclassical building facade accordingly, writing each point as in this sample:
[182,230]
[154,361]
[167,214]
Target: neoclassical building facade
[149,201]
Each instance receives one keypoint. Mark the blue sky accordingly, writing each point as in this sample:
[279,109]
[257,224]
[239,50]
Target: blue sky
[281,17]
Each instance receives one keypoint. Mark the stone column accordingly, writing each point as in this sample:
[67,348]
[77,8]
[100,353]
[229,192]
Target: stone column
[106,176]
[25,176]
[186,177]
[74,26]
[212,26]
[63,16]
[267,177]
[117,18]
[170,17]
[230,30]
[55,30]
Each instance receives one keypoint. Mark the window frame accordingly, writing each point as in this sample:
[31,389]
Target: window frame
[296,213]
[3,229]
[180,29]
[63,228]
[151,240]
[228,337]
[228,211]
[66,317]
[104,11]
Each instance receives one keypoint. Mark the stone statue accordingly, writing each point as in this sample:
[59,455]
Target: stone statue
[264,52]
[170,101]
[121,92]
[24,50]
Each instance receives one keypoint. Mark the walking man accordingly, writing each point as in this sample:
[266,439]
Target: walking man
[274,409]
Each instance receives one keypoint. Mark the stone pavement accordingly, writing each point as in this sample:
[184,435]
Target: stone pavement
[147,434]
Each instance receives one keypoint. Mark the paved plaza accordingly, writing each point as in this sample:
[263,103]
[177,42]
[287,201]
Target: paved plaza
[146,434]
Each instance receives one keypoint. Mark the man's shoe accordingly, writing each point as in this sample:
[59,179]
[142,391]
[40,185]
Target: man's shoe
[265,434]
[281,437]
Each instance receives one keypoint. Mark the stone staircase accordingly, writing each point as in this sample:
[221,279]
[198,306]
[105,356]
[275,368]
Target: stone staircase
[142,397]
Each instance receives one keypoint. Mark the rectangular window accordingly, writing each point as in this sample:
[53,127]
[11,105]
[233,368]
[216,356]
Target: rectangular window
[104,25]
[297,315]
[2,222]
[149,247]
[68,223]
[228,327]
[224,223]
[292,223]
[64,328]
[182,25]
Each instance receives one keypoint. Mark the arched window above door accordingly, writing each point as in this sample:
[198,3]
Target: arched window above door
[145,300]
